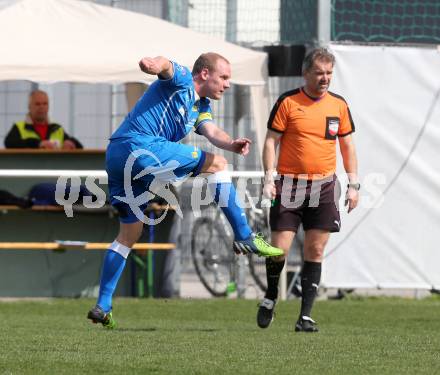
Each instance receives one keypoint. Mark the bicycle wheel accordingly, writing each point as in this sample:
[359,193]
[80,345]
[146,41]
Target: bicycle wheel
[259,222]
[257,268]
[212,256]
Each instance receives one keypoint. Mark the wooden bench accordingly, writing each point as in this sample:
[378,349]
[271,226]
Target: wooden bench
[145,265]
[74,245]
[153,207]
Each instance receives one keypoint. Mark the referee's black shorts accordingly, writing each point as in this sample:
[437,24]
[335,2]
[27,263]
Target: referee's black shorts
[314,203]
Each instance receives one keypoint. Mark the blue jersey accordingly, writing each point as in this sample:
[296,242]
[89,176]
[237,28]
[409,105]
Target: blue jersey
[168,109]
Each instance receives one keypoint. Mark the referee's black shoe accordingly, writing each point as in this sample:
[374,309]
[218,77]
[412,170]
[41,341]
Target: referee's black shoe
[265,313]
[306,324]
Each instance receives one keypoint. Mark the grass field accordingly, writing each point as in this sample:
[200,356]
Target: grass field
[358,336]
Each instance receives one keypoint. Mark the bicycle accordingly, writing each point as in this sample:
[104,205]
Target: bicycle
[212,255]
[216,263]
[211,249]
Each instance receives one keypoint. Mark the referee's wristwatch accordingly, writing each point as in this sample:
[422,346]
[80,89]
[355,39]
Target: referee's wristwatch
[355,186]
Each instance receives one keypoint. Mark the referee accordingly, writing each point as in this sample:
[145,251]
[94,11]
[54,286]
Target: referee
[304,125]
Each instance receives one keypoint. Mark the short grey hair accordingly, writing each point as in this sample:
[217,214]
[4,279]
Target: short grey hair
[322,54]
[37,92]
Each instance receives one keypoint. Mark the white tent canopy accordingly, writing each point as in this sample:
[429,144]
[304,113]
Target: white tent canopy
[79,41]
[49,41]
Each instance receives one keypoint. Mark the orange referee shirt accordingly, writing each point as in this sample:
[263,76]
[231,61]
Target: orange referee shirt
[309,130]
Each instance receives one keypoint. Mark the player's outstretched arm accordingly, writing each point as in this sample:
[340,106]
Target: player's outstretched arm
[219,138]
[159,65]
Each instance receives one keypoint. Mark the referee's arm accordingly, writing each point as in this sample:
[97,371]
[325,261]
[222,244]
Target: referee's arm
[348,152]
[269,153]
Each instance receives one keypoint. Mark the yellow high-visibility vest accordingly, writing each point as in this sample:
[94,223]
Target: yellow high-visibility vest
[25,133]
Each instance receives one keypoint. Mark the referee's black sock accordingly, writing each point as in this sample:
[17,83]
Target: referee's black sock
[273,271]
[310,278]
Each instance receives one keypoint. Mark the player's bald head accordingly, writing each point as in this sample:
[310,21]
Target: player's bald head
[207,61]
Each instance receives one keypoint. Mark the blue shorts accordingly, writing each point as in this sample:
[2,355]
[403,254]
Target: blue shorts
[134,165]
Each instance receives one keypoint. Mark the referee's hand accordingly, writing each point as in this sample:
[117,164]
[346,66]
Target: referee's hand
[351,199]
[269,193]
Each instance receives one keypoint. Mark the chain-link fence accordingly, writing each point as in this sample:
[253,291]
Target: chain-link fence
[391,21]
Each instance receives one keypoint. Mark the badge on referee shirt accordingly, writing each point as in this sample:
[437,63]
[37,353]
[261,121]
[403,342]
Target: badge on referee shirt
[332,127]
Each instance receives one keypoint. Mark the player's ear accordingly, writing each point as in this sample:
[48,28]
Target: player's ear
[204,74]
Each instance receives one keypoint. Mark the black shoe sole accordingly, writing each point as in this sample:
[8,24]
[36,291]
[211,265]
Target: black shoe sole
[266,323]
[299,328]
[95,319]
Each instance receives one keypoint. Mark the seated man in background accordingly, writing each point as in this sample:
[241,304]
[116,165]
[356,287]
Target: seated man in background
[36,131]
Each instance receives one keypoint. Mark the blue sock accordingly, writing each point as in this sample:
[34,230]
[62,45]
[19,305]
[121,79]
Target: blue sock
[226,198]
[112,268]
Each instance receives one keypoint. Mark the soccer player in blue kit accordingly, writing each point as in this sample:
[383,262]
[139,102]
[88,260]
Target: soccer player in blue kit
[147,141]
